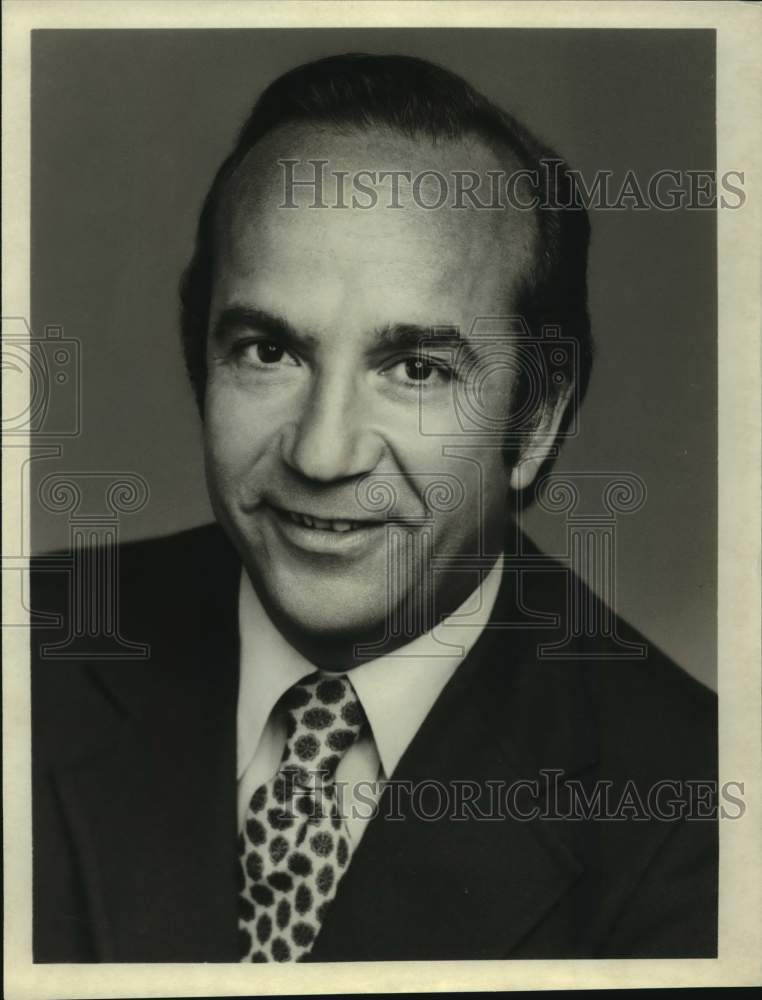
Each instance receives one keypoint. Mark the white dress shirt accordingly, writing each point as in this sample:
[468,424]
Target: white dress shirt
[396,690]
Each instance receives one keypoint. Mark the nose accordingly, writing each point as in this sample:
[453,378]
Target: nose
[331,440]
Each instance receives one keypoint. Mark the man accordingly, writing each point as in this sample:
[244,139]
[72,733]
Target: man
[366,633]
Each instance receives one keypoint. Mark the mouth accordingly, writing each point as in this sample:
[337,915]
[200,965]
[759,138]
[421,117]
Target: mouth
[324,536]
[340,525]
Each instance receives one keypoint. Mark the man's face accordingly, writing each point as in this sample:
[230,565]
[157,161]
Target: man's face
[316,382]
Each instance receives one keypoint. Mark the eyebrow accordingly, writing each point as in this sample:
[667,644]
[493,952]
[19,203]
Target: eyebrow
[412,337]
[390,337]
[237,318]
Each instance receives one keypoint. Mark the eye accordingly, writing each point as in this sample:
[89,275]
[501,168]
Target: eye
[420,371]
[263,354]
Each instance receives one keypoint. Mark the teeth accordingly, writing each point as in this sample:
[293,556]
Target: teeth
[319,524]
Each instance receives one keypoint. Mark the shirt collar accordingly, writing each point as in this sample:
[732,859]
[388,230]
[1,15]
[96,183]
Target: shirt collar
[397,690]
[269,666]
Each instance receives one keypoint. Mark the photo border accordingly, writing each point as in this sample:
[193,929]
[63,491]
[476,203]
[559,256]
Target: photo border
[739,145]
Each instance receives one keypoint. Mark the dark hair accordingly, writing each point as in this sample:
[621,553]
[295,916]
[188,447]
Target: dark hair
[415,98]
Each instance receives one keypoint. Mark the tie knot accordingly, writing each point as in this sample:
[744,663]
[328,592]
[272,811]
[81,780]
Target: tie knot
[323,719]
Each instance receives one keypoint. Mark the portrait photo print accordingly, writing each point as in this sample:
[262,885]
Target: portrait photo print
[373,494]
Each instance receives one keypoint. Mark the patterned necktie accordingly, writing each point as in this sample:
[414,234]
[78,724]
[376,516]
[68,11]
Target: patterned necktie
[294,849]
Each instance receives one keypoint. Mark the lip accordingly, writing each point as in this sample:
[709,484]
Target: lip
[319,540]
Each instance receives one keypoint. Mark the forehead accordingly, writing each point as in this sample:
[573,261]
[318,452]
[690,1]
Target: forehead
[398,248]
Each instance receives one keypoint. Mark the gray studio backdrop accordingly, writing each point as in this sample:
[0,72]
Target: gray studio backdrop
[128,128]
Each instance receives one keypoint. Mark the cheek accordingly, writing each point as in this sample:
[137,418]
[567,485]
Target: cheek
[236,431]
[466,492]
[485,481]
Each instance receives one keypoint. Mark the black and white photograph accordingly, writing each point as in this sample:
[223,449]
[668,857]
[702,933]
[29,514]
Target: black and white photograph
[381,451]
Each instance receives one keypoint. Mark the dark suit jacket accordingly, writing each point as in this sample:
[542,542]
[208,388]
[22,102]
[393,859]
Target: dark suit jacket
[135,790]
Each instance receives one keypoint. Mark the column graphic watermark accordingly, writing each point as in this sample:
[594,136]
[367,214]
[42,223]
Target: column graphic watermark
[92,618]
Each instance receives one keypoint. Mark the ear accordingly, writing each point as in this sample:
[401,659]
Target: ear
[540,441]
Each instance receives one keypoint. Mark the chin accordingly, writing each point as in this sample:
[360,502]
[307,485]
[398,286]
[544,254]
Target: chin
[325,611]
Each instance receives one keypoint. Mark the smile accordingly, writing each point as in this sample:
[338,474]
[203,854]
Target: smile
[324,536]
[321,524]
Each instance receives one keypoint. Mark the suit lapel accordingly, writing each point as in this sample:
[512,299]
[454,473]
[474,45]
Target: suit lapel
[470,887]
[153,814]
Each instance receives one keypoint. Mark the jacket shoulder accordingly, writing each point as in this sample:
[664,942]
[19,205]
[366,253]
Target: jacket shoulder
[133,614]
[651,715]
[185,556]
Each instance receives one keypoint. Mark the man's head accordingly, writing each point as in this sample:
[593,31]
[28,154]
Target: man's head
[328,346]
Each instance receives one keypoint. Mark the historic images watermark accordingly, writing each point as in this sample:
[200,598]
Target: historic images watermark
[665,190]
[549,796]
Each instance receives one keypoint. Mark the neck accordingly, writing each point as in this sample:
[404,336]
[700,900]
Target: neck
[341,651]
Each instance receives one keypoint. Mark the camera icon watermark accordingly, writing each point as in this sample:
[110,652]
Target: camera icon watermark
[50,402]
[502,351]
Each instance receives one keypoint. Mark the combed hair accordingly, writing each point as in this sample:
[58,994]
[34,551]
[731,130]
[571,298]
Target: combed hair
[418,99]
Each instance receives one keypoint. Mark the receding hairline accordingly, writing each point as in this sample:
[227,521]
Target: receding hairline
[243,191]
